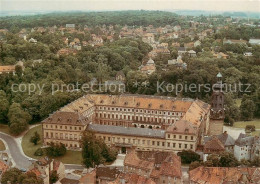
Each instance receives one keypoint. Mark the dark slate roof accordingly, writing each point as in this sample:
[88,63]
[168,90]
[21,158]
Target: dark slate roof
[107,173]
[119,130]
[224,138]
[181,49]
[244,140]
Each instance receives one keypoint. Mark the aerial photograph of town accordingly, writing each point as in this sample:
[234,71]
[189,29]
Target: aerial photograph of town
[129,92]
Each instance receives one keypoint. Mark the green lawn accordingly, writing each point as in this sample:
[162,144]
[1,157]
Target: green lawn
[4,128]
[2,146]
[71,157]
[242,124]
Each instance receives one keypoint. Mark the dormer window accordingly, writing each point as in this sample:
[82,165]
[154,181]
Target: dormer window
[59,119]
[175,128]
[81,107]
[101,101]
[149,105]
[173,107]
[126,103]
[113,102]
[186,130]
[161,106]
[85,104]
[138,104]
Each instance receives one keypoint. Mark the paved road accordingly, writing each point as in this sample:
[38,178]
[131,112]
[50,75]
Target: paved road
[22,161]
[18,157]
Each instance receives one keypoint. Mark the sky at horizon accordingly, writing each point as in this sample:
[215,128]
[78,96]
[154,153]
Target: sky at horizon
[92,5]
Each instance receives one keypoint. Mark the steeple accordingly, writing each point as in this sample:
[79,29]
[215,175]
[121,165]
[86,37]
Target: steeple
[217,99]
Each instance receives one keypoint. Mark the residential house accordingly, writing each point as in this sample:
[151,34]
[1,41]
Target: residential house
[220,55]
[224,175]
[189,45]
[213,146]
[197,43]
[106,174]
[23,34]
[192,53]
[32,40]
[161,167]
[148,38]
[70,26]
[11,68]
[243,146]
[181,50]
[89,177]
[253,41]
[230,41]
[132,178]
[120,76]
[255,150]
[44,166]
[4,166]
[41,29]
[248,54]
[149,67]
[178,63]
[177,28]
[66,51]
[225,139]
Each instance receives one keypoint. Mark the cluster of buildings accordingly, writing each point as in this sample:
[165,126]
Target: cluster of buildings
[244,147]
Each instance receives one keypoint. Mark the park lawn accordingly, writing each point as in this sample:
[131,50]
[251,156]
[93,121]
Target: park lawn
[242,124]
[71,157]
[5,129]
[28,147]
[2,146]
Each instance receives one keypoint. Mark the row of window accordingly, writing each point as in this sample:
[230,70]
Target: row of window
[62,136]
[141,142]
[169,136]
[139,110]
[63,127]
[136,118]
[69,145]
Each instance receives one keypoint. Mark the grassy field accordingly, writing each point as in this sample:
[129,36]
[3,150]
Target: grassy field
[2,146]
[4,128]
[242,124]
[71,157]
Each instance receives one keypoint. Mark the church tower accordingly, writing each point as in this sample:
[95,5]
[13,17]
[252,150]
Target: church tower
[217,113]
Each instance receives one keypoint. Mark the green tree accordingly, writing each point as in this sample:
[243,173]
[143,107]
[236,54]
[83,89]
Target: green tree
[4,106]
[188,156]
[227,160]
[18,119]
[54,177]
[35,138]
[56,150]
[11,176]
[247,109]
[95,151]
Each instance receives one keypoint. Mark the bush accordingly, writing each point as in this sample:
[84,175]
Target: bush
[35,138]
[56,150]
[250,127]
[39,152]
[188,156]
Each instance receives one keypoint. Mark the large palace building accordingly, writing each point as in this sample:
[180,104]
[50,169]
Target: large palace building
[131,121]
